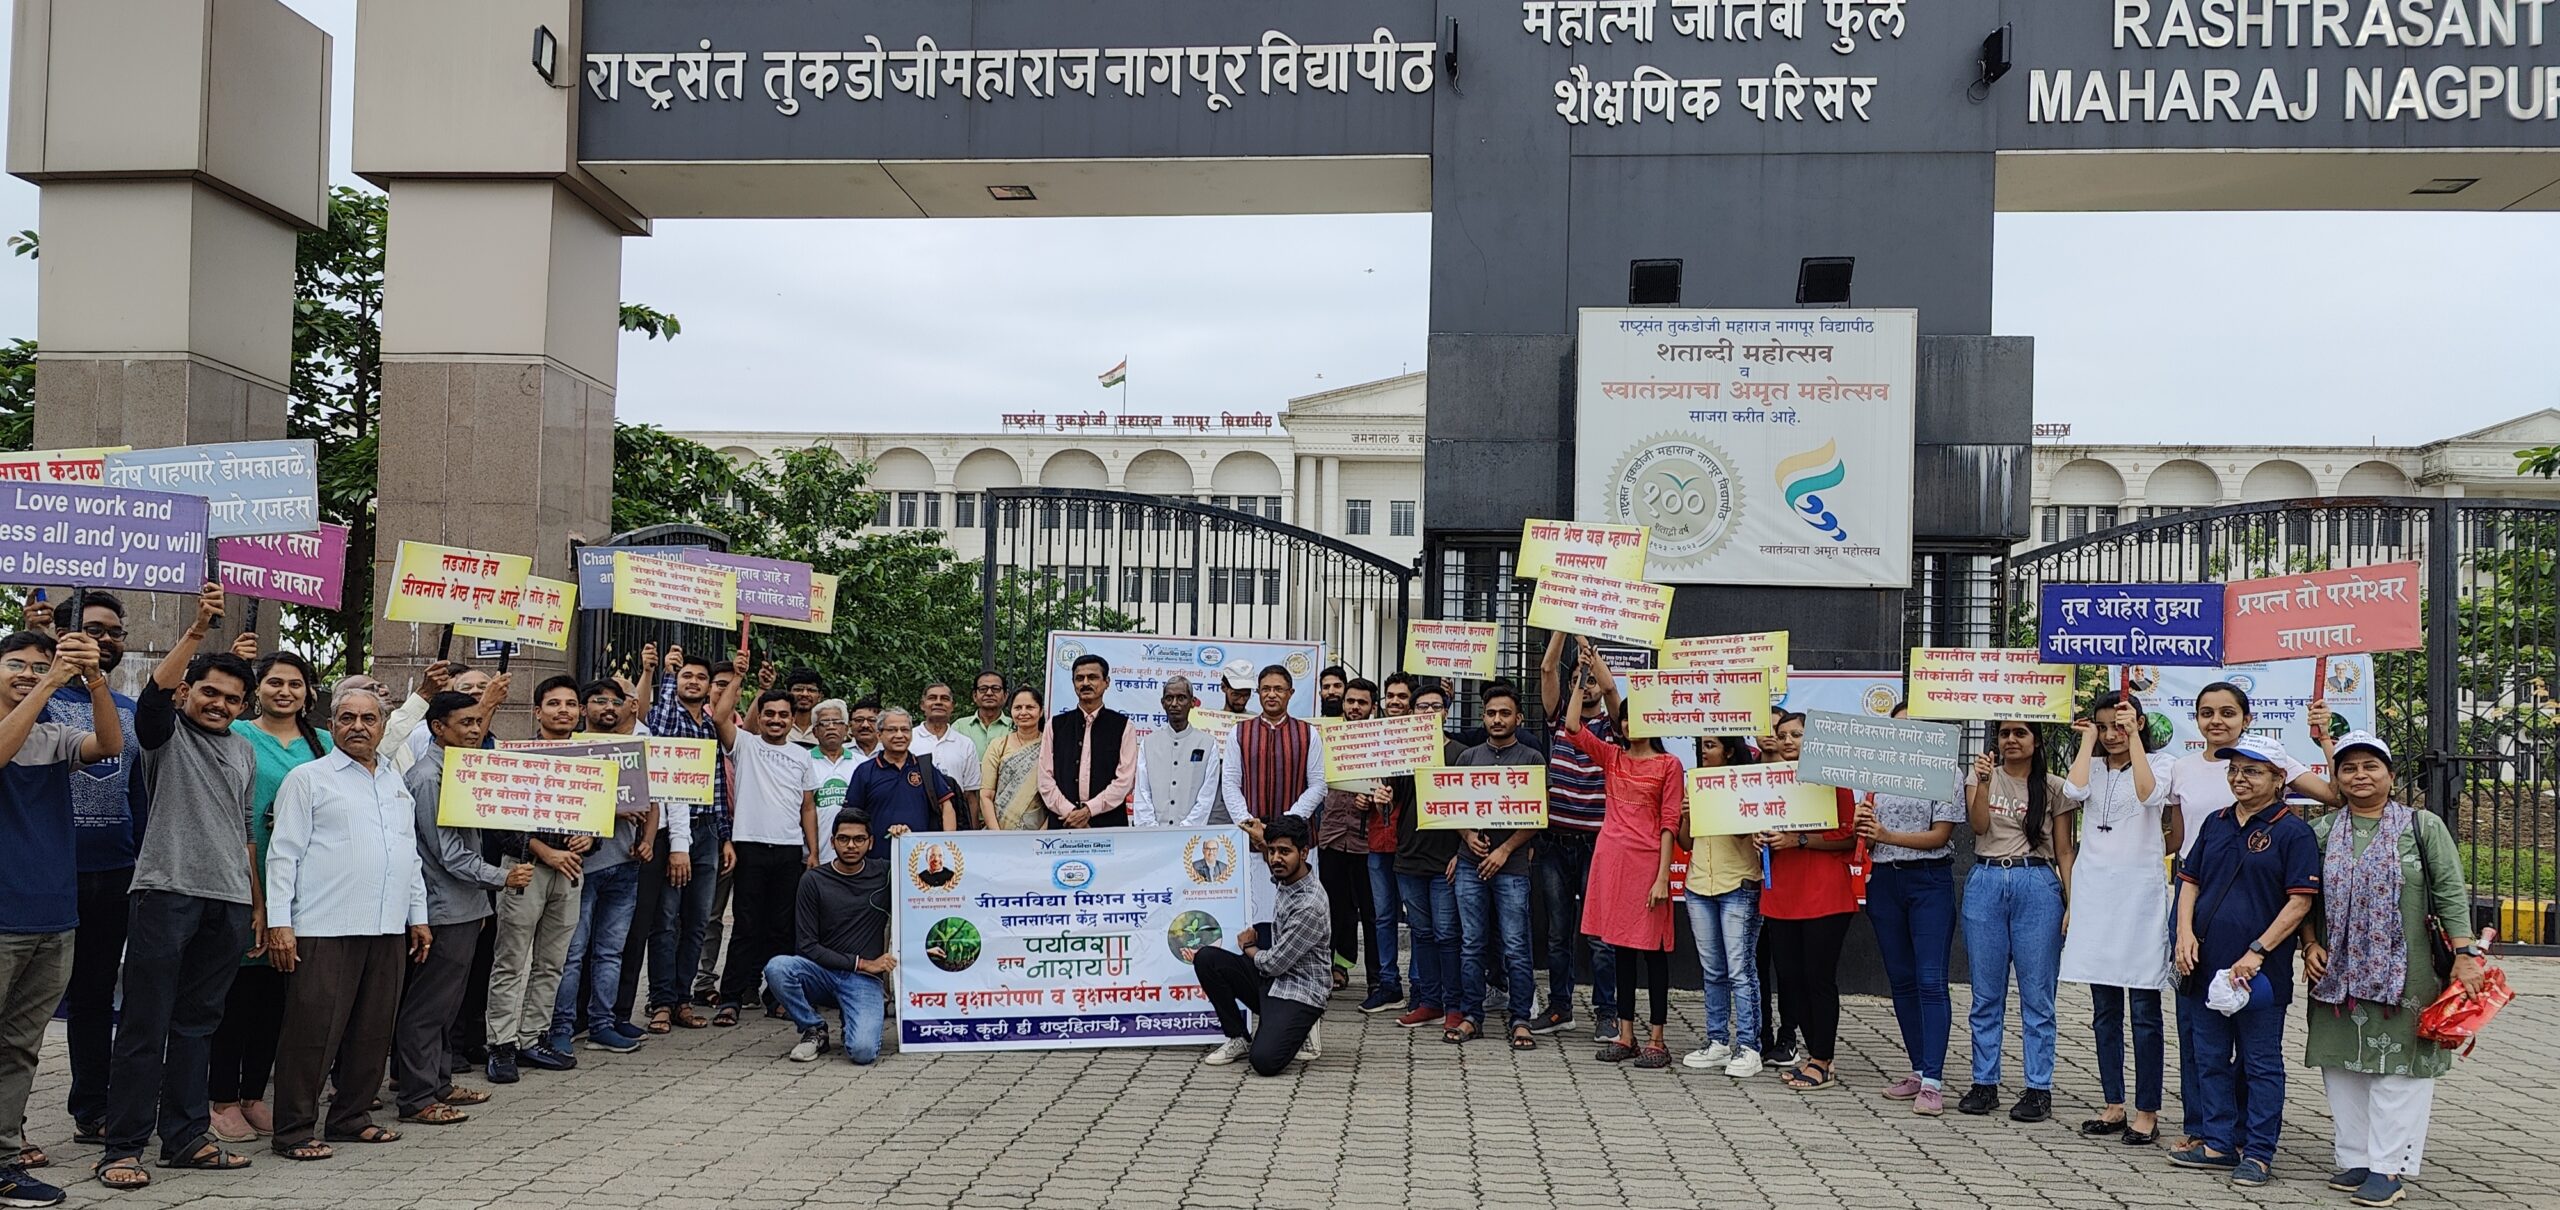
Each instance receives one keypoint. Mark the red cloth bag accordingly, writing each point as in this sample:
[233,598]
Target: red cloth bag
[2455,1020]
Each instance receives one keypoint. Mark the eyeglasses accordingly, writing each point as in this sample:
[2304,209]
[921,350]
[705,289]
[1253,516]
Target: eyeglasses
[23,668]
[100,630]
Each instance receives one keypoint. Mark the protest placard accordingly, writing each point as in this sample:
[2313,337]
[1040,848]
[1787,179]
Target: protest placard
[595,566]
[680,770]
[298,569]
[1481,796]
[1766,650]
[822,607]
[675,590]
[1215,722]
[1462,650]
[1380,747]
[1988,684]
[2322,613]
[1616,551]
[1902,756]
[767,588]
[1698,701]
[1603,607]
[251,487]
[2179,624]
[101,537]
[83,466]
[543,610]
[452,586]
[1745,799]
[527,791]
[629,753]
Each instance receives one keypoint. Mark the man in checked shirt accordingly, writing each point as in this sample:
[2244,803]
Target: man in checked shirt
[684,706]
[1285,969]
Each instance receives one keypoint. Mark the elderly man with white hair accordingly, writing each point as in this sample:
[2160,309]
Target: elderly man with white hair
[346,914]
[832,722]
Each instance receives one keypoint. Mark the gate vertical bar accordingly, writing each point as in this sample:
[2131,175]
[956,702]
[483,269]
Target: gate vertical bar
[2444,722]
[987,584]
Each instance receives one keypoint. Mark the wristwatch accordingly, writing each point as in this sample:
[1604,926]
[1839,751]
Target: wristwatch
[2259,948]
[2473,950]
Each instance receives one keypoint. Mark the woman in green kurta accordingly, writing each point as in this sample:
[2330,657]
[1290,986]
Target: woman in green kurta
[2371,972]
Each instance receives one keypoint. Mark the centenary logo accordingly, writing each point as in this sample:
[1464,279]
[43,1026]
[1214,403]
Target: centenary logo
[1069,652]
[1803,478]
[935,868]
[1682,489]
[1212,656]
[1298,665]
[1209,860]
[1072,874]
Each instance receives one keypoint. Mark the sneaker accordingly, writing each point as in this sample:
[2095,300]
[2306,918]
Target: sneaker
[1979,1100]
[626,1029]
[1615,1051]
[1929,1102]
[1714,1055]
[2034,1105]
[1786,1056]
[2379,1189]
[2198,1157]
[2254,1173]
[1653,1058]
[1548,1023]
[2350,1180]
[1313,1048]
[1226,1052]
[1419,1016]
[546,1057]
[813,1042]
[607,1038]
[1381,1000]
[19,1189]
[1606,1031]
[1903,1089]
[1744,1064]
[502,1064]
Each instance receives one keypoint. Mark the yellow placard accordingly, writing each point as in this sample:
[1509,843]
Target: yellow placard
[1481,796]
[1989,684]
[676,591]
[822,607]
[1216,722]
[680,770]
[1743,799]
[1616,551]
[84,466]
[543,611]
[510,791]
[1766,650]
[1698,701]
[455,586]
[1380,747]
[1628,611]
[1451,649]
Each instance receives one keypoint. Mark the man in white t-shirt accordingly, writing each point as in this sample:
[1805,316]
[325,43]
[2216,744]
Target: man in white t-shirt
[776,837]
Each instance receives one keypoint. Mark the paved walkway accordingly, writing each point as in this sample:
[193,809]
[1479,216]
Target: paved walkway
[1387,1117]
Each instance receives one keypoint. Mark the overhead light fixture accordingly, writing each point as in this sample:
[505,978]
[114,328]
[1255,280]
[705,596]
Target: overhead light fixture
[546,54]
[1823,281]
[1653,283]
[1995,63]
[1012,193]
[2446,184]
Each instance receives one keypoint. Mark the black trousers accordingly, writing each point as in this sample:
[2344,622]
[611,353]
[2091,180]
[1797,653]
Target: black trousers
[1777,1019]
[338,1013]
[244,1045]
[1235,988]
[430,995]
[1657,982]
[469,1036]
[1808,959]
[183,952]
[644,925]
[767,888]
[97,953]
[1346,890]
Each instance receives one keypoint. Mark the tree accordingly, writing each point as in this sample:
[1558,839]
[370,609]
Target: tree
[2542,460]
[335,399]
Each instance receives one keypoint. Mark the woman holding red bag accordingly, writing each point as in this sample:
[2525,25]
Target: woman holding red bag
[2390,876]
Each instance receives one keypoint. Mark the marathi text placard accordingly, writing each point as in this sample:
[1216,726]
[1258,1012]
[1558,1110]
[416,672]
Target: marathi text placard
[299,569]
[1989,684]
[450,586]
[527,792]
[543,610]
[1481,796]
[1460,650]
[822,607]
[1902,756]
[1616,551]
[767,588]
[1698,701]
[2323,613]
[84,466]
[1629,611]
[2179,624]
[1380,747]
[629,753]
[250,487]
[1766,650]
[674,590]
[1746,799]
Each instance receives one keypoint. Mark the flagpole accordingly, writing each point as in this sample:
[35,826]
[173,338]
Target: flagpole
[1124,390]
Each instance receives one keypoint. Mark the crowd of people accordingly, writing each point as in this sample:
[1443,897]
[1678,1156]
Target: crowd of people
[253,921]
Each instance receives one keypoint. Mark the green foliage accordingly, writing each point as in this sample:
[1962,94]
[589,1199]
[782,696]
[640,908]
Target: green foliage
[2543,461]
[18,395]
[27,244]
[335,399]
[650,322]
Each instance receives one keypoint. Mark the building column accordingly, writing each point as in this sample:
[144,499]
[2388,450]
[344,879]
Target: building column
[1332,514]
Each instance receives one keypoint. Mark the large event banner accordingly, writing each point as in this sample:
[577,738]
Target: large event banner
[1461,650]
[251,487]
[1616,551]
[299,569]
[1043,940]
[527,791]
[1698,701]
[767,588]
[629,753]
[674,590]
[1141,663]
[1902,756]
[1766,650]
[1628,611]
[2323,613]
[1481,796]
[822,607]
[85,466]
[1989,684]
[2130,624]
[1759,447]
[1743,799]
[2280,696]
[101,537]
[1380,747]
[453,586]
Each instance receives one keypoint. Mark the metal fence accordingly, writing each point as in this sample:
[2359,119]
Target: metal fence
[2471,716]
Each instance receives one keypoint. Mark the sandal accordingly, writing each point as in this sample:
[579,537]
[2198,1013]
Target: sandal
[1522,1039]
[726,1017]
[662,1020]
[437,1113]
[32,1156]
[208,1156]
[126,1173]
[2100,1127]
[370,1134]
[459,1095]
[308,1149]
[1809,1077]
[1466,1031]
[689,1019]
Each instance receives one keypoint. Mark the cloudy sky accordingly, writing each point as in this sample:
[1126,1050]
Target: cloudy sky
[2292,328]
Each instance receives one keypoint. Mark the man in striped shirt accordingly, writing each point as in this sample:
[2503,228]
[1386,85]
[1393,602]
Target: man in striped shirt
[1280,972]
[1577,797]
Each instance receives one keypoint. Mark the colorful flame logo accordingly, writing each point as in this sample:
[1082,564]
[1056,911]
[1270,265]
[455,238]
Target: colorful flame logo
[1804,477]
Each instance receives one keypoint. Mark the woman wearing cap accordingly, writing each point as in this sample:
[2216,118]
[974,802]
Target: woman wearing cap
[2386,873]
[2199,786]
[2121,946]
[2012,911]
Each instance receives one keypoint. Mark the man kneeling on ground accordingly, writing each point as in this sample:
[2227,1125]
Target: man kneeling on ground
[1286,968]
[841,924]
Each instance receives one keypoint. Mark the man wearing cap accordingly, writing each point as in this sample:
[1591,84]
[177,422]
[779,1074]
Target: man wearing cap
[1178,768]
[1238,680]
[2244,890]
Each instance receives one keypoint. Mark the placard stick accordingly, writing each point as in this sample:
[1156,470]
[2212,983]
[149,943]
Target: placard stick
[444,645]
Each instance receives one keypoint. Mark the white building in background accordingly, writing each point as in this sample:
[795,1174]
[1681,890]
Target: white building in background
[2080,489]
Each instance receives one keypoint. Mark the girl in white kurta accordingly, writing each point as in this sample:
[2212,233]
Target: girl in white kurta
[2117,938]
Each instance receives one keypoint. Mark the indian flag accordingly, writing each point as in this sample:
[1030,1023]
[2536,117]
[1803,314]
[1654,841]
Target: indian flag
[1117,374]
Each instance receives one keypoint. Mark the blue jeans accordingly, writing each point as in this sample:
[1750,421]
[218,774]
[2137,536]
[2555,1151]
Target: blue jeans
[594,965]
[2190,1054]
[2013,919]
[2239,1077]
[1727,929]
[804,987]
[1508,895]
[675,946]
[1563,872]
[1431,915]
[2108,1020]
[1913,909]
[1382,924]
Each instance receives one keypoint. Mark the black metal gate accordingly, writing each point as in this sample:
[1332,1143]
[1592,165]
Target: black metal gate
[1072,559]
[2474,708]
[610,642]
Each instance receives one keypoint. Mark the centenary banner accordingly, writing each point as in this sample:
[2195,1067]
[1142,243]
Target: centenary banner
[1046,940]
[1141,663]
[1757,447]
[1841,692]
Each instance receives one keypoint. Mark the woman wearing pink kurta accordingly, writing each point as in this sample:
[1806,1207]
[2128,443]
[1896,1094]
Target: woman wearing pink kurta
[1628,900]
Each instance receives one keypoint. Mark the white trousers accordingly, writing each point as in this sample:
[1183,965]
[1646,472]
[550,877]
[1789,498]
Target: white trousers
[2382,1120]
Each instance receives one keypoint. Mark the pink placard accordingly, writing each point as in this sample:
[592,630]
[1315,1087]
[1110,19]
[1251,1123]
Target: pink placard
[301,569]
[2322,613]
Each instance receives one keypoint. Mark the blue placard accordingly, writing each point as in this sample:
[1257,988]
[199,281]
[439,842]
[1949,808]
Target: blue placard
[251,487]
[595,570]
[2170,624]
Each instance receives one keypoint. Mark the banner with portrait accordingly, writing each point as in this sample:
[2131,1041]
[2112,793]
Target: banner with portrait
[1142,663]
